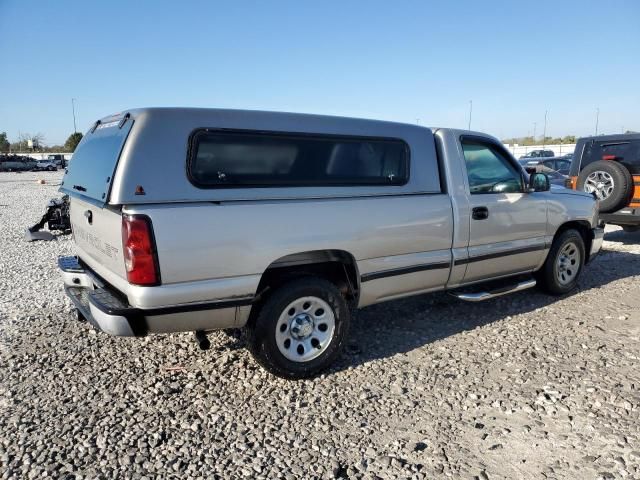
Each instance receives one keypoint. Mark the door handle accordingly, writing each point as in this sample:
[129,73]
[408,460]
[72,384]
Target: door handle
[479,213]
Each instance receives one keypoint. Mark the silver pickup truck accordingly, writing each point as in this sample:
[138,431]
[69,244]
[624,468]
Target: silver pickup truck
[284,224]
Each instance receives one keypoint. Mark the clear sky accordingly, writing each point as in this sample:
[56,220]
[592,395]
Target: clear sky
[397,60]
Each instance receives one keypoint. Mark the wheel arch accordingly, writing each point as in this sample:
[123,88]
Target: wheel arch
[335,265]
[584,228]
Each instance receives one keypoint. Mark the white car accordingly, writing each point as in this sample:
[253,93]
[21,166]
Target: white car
[45,165]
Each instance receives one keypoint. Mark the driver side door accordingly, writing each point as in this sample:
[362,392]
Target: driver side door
[507,225]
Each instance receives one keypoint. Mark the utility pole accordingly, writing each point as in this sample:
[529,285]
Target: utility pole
[535,124]
[470,111]
[544,134]
[73,108]
[597,118]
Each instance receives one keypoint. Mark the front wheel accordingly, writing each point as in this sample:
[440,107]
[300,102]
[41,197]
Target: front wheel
[300,329]
[562,268]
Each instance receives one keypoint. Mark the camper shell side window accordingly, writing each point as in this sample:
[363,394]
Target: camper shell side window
[225,158]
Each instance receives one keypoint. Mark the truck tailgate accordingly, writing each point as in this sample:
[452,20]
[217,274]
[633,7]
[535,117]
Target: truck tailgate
[98,234]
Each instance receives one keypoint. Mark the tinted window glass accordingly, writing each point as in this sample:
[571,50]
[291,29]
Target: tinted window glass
[271,159]
[91,168]
[627,152]
[563,167]
[550,164]
[489,171]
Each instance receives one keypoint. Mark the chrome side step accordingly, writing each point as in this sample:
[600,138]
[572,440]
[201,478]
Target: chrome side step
[497,292]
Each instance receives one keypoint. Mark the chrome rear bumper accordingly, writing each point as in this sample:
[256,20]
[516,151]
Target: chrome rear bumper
[108,310]
[99,306]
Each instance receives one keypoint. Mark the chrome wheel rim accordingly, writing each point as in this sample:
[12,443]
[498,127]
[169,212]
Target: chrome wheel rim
[601,183]
[568,263]
[305,329]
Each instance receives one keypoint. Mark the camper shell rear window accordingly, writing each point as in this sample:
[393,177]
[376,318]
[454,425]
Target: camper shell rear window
[91,168]
[229,158]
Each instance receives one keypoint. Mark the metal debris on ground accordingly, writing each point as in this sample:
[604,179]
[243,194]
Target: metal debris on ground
[56,218]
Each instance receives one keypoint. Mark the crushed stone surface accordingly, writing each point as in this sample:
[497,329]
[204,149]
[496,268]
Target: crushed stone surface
[523,386]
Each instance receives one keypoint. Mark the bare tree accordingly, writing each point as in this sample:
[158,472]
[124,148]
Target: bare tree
[35,140]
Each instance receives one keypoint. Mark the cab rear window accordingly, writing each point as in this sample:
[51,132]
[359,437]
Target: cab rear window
[260,159]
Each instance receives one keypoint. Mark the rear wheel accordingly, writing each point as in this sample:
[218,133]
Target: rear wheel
[610,182]
[562,268]
[300,329]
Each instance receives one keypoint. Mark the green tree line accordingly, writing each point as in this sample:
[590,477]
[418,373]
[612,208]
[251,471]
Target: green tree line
[37,140]
[527,141]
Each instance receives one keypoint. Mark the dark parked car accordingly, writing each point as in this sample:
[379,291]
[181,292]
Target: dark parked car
[539,154]
[608,167]
[16,163]
[556,168]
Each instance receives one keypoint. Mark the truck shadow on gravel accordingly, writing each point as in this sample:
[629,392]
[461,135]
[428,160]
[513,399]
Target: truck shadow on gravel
[400,326]
[625,238]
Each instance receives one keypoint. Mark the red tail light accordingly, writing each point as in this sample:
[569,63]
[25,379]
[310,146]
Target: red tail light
[138,245]
[608,157]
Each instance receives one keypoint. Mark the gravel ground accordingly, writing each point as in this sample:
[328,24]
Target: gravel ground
[525,386]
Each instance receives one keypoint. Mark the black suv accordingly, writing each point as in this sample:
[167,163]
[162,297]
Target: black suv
[608,166]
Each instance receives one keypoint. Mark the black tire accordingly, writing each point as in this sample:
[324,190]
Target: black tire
[261,329]
[549,277]
[622,184]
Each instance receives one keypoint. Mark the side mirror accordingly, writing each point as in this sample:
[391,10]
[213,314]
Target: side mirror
[539,182]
